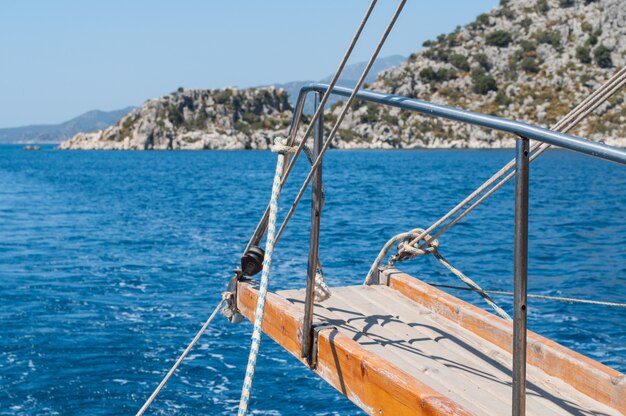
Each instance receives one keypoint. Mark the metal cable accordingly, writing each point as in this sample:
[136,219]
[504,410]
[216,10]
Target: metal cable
[403,241]
[472,285]
[169,374]
[544,297]
[343,113]
[262,225]
[591,103]
[612,86]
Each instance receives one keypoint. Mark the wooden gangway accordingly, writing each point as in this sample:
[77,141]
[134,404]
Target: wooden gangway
[399,346]
[403,347]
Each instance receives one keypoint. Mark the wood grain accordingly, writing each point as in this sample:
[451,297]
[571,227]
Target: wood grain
[595,380]
[369,381]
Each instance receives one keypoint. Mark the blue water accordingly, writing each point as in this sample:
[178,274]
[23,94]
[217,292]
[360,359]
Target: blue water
[110,262]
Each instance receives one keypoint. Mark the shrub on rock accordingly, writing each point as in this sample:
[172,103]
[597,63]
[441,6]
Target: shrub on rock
[582,54]
[499,38]
[482,83]
[602,56]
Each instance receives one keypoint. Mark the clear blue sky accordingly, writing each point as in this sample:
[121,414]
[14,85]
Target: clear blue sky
[61,58]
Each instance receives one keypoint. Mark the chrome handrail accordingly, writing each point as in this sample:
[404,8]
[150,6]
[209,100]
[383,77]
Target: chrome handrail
[529,131]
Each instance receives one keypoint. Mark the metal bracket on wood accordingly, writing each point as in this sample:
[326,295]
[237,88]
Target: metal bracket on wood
[312,360]
[230,311]
[383,278]
[380,278]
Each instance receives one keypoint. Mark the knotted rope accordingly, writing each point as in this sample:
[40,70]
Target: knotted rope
[400,239]
[407,251]
[282,147]
[322,291]
[409,247]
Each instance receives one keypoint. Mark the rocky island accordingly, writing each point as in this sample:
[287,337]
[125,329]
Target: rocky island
[230,118]
[531,61]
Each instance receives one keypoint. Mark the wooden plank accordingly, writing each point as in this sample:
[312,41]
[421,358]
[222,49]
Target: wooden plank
[367,380]
[593,379]
[457,363]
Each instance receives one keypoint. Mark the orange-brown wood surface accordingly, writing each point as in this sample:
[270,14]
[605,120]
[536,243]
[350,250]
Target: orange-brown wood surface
[369,381]
[597,381]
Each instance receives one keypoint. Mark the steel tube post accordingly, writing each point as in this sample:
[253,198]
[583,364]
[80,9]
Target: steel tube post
[316,209]
[520,272]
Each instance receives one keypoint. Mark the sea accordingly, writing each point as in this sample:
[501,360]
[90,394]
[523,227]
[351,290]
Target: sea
[111,261]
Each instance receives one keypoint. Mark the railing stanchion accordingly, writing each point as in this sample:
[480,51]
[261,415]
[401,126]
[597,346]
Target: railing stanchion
[520,271]
[316,208]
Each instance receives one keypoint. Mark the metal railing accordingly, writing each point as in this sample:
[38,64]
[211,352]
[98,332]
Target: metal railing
[523,132]
[529,131]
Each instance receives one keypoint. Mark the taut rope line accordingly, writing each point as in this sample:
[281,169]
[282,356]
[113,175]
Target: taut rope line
[282,147]
[193,342]
[472,285]
[340,118]
[538,148]
[410,248]
[544,297]
[260,228]
[591,103]
[582,110]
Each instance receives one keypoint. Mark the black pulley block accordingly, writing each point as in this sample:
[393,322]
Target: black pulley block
[252,261]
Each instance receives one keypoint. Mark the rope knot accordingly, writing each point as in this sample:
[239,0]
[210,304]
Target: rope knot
[281,146]
[406,251]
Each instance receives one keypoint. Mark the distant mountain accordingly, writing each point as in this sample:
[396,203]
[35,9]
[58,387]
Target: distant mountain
[56,133]
[351,73]
[349,77]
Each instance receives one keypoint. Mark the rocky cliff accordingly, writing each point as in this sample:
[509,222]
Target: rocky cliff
[531,61]
[196,119]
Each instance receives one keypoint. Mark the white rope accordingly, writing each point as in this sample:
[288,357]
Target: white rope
[169,374]
[280,146]
[322,291]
